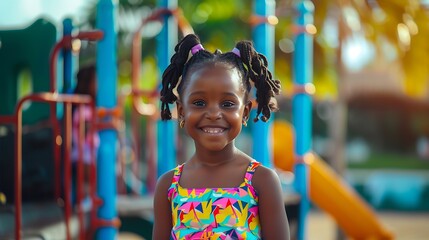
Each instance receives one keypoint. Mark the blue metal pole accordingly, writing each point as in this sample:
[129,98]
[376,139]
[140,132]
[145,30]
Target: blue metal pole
[106,98]
[263,38]
[167,130]
[69,84]
[301,108]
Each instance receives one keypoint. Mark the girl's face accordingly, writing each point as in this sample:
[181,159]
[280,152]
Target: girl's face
[213,106]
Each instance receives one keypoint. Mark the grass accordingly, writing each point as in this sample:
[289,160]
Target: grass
[391,161]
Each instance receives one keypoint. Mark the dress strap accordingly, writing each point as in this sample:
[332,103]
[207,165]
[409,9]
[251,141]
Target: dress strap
[177,173]
[250,171]
[178,169]
[175,181]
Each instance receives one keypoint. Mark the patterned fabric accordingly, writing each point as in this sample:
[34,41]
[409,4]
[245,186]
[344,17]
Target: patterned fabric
[215,213]
[87,116]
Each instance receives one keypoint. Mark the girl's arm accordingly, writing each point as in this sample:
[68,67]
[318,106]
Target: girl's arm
[272,213]
[162,208]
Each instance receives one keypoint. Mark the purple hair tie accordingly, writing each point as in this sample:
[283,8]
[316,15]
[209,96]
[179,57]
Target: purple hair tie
[196,48]
[236,52]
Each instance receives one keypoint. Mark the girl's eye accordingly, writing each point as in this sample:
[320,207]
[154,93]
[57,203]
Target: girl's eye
[199,103]
[228,104]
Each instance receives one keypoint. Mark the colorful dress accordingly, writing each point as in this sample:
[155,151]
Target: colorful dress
[215,213]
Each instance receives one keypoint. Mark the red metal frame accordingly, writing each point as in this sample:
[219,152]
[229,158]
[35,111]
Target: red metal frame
[53,98]
[65,42]
[185,28]
[16,119]
[80,168]
[258,19]
[307,88]
[139,107]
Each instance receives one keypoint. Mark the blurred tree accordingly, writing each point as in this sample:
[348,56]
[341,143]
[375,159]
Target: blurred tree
[395,28]
[396,23]
[402,24]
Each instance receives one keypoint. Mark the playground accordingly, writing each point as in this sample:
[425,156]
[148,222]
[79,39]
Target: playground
[365,177]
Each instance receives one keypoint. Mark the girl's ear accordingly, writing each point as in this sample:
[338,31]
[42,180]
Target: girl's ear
[179,106]
[247,109]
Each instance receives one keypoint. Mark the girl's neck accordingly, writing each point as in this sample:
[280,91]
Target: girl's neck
[214,159]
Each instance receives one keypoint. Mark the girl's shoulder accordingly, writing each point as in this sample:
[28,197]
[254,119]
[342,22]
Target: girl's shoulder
[165,180]
[261,171]
[263,177]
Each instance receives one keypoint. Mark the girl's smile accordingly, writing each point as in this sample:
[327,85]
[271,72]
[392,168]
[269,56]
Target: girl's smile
[213,130]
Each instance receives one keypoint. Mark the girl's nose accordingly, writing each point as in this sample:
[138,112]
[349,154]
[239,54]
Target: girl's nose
[214,113]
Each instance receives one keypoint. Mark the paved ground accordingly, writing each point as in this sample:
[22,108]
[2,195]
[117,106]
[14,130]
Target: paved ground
[404,225]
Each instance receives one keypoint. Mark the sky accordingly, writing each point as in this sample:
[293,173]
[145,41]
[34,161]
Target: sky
[21,13]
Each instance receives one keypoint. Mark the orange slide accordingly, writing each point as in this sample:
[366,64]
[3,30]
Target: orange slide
[329,191]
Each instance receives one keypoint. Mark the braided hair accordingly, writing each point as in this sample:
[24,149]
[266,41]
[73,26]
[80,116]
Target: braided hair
[251,65]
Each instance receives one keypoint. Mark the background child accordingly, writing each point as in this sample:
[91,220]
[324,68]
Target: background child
[86,84]
[220,192]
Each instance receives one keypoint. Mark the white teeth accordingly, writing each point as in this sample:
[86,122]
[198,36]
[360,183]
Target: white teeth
[213,130]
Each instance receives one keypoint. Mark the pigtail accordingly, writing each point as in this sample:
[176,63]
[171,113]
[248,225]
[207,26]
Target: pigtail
[174,71]
[256,66]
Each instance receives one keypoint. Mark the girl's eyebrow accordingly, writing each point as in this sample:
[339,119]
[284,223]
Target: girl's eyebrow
[224,93]
[197,93]
[230,94]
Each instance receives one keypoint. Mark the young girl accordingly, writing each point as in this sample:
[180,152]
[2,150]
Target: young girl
[220,192]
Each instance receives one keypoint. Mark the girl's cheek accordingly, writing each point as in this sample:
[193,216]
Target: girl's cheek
[237,116]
